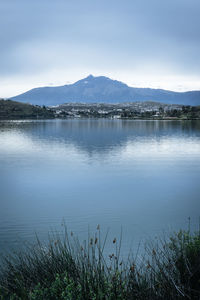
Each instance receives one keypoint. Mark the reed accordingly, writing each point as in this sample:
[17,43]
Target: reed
[64,268]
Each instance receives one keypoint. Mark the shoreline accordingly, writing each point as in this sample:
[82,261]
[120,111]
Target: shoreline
[67,269]
[98,118]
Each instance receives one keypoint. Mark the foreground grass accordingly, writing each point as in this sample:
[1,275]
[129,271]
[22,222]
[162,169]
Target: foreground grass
[65,269]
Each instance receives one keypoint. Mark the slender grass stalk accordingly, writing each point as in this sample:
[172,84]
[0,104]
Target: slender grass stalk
[64,268]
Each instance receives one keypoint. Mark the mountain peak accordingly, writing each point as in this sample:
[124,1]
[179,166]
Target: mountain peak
[102,89]
[94,80]
[89,76]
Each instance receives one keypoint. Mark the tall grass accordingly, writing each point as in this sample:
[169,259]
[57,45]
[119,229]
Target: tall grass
[64,268]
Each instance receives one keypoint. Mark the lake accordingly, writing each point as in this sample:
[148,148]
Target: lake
[141,176]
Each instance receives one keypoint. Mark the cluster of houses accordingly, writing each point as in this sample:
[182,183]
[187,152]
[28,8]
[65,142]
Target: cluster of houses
[115,111]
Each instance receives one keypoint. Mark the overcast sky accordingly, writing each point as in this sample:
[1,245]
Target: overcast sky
[144,43]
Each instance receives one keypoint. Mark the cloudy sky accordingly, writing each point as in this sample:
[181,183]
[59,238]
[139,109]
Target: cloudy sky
[144,43]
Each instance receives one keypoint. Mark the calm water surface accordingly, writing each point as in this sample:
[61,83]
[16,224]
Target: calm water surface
[143,176]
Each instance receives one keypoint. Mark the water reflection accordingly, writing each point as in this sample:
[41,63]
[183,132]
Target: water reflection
[142,175]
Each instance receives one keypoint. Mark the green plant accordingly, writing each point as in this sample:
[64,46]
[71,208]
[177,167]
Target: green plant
[67,269]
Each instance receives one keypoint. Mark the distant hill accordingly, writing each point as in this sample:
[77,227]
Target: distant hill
[104,90]
[15,110]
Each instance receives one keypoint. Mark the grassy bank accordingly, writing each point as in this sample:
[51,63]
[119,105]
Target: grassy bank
[67,269]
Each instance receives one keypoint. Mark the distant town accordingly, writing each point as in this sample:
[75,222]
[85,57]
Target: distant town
[134,110]
[10,109]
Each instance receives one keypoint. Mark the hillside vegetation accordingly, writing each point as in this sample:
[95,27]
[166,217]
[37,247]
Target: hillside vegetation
[15,110]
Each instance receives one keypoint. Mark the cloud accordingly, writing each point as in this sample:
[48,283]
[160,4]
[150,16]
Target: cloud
[45,37]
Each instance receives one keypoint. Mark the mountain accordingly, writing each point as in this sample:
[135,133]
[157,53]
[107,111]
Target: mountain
[14,110]
[104,90]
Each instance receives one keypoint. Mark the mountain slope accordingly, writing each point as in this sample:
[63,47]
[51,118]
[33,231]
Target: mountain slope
[102,89]
[14,110]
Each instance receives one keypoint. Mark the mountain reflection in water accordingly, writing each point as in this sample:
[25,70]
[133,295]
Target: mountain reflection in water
[141,175]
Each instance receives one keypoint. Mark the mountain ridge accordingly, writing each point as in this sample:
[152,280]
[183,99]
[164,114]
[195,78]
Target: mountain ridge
[102,89]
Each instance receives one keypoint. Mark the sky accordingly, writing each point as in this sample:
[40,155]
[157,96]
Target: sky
[144,43]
